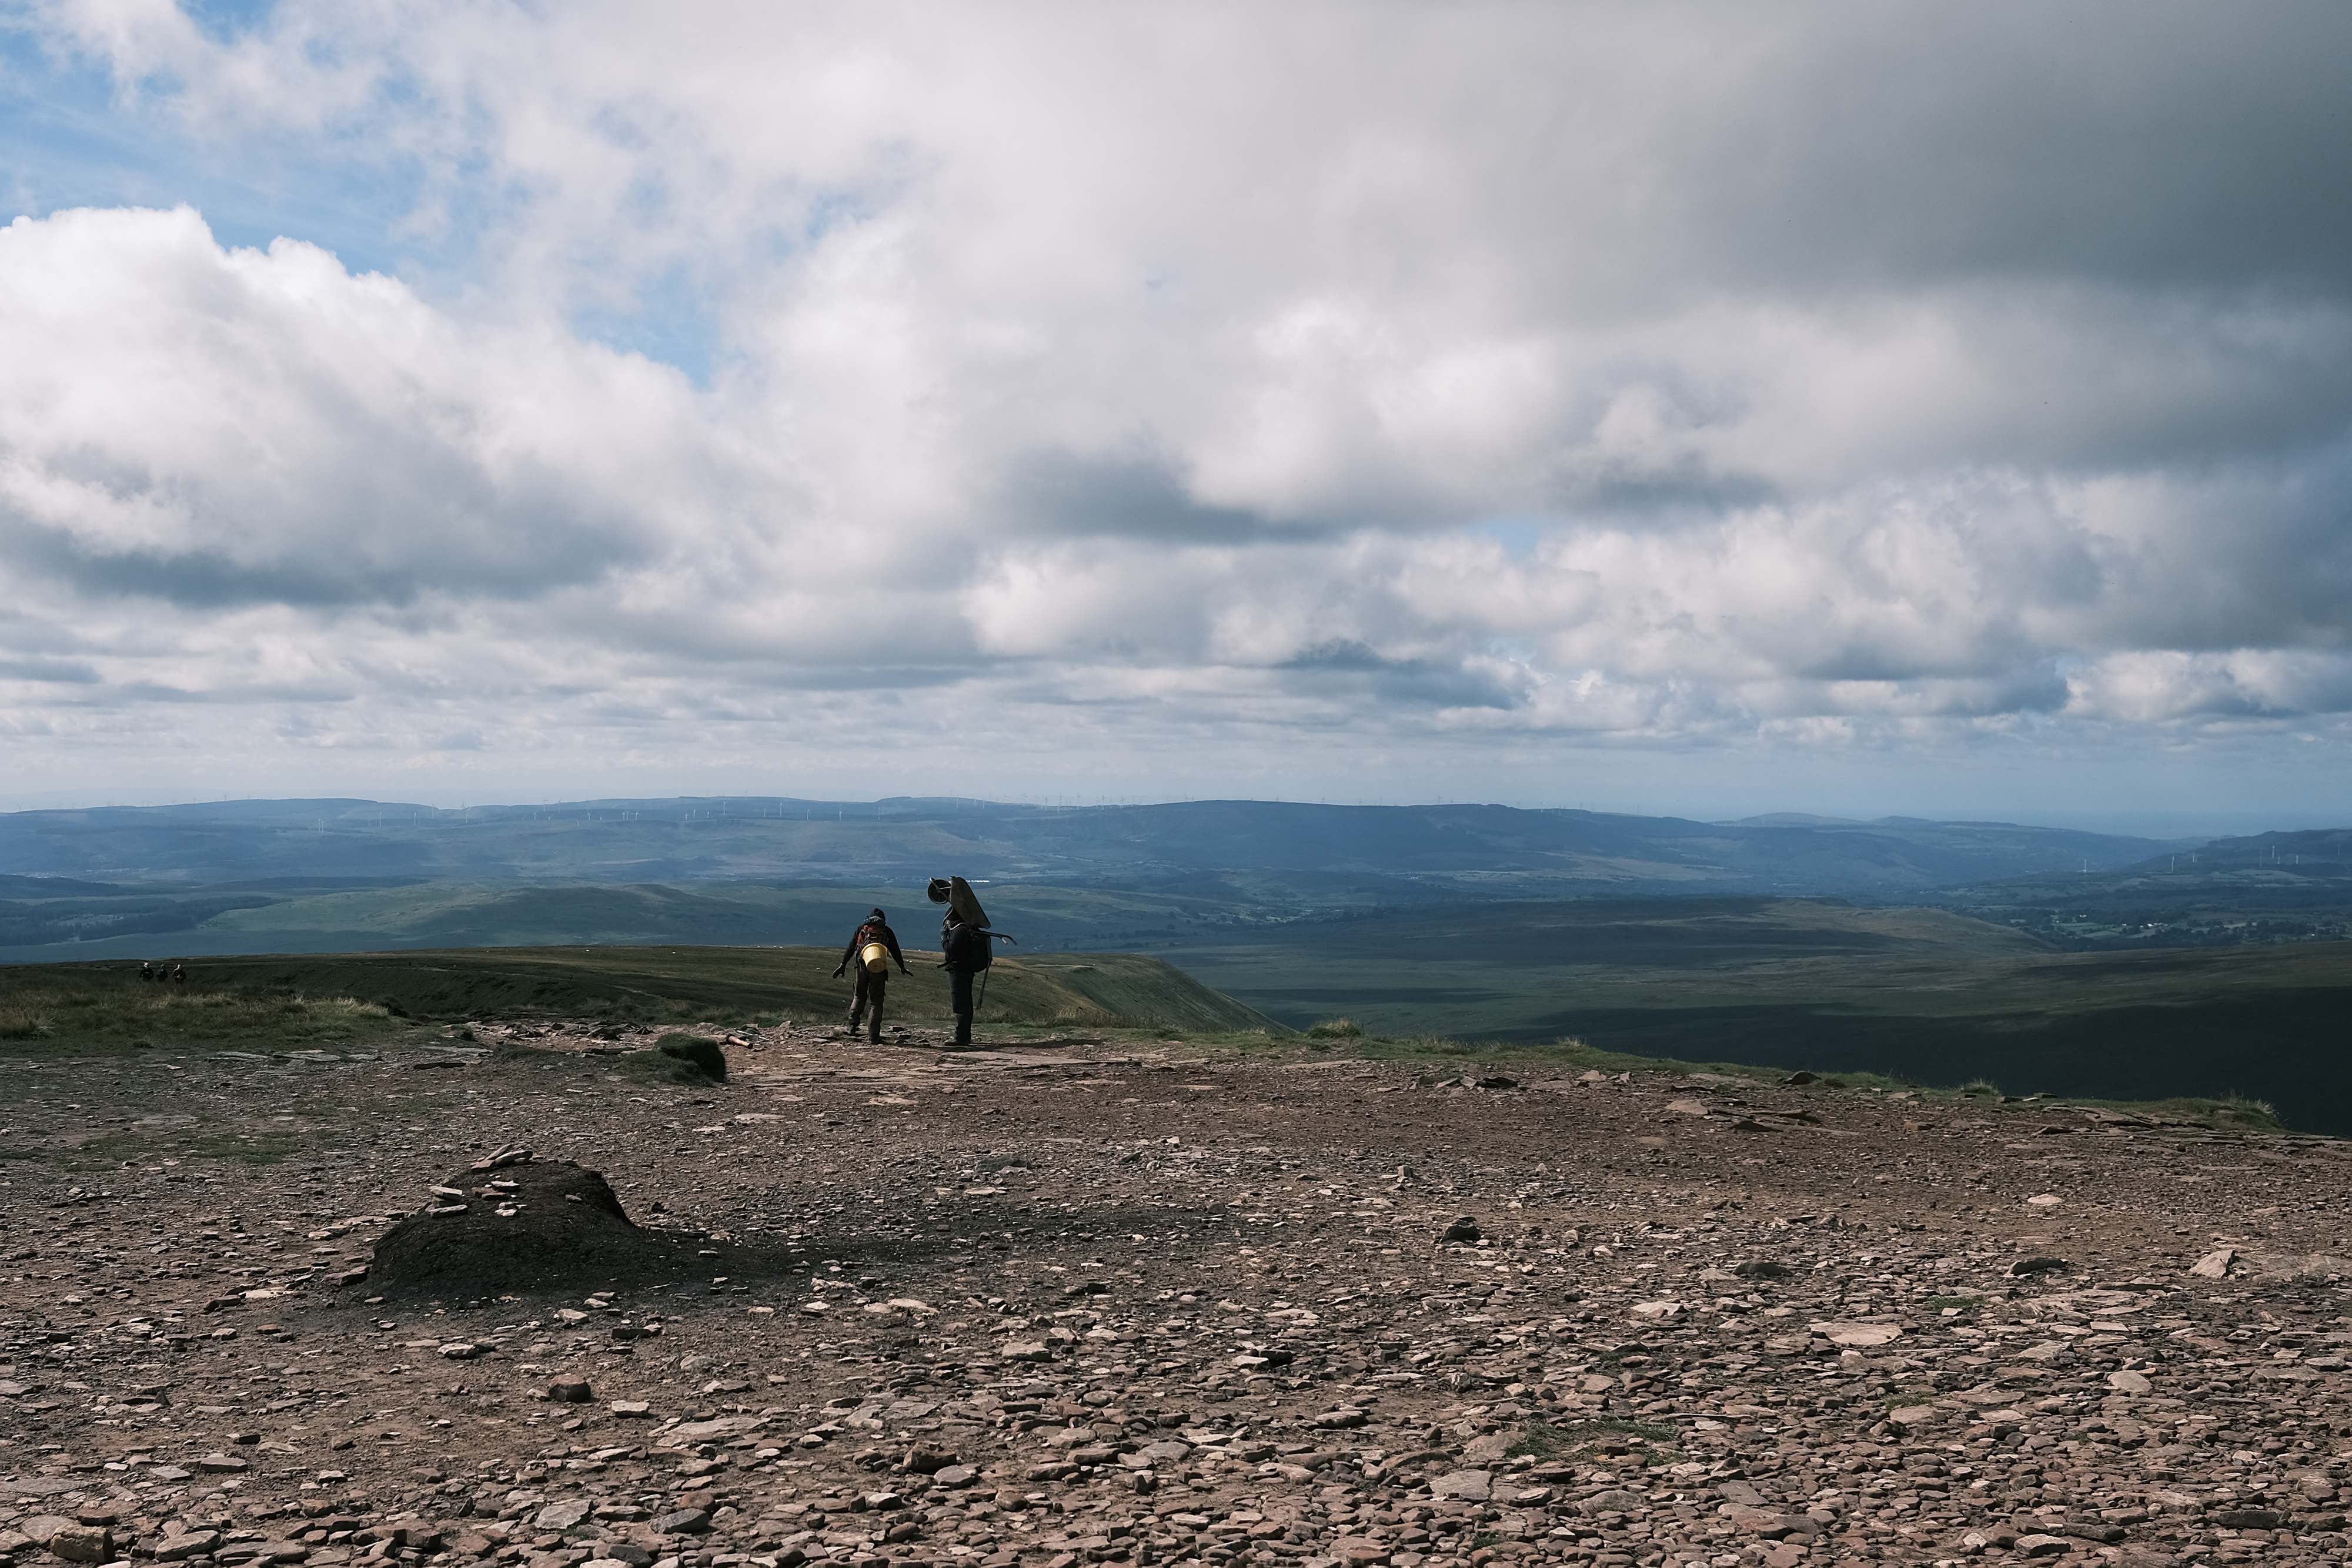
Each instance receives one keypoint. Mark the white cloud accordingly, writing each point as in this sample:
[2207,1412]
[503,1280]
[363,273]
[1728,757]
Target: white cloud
[1449,376]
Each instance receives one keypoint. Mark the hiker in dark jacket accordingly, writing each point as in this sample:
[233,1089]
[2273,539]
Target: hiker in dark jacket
[963,954]
[867,1002]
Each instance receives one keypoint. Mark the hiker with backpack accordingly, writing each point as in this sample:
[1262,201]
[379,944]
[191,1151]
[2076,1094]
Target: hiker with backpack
[967,945]
[873,947]
[964,954]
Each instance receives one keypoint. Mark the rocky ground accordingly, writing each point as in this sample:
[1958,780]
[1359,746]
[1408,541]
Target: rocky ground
[1146,1302]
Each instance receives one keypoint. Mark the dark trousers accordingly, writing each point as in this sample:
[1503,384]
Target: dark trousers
[960,994]
[870,987]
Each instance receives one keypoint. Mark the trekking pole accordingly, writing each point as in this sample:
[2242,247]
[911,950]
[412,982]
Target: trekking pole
[988,936]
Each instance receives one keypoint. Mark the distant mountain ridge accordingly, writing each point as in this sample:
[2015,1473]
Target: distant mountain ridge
[1219,848]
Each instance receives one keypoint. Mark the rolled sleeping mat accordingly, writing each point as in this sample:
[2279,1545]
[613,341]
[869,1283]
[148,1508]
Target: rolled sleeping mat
[876,957]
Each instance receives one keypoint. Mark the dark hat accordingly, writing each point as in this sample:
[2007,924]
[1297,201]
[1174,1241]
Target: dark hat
[879,916]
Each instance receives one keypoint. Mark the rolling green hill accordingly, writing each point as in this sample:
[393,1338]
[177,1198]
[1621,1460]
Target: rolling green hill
[2271,887]
[424,915]
[292,876]
[59,1006]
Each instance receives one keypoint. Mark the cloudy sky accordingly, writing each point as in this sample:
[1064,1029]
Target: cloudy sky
[1715,409]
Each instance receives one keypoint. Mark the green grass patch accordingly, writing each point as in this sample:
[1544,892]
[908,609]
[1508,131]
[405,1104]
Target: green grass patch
[690,1058]
[246,1148]
[1336,1028]
[2220,1114]
[2247,1110]
[731,986]
[105,1012]
[21,1021]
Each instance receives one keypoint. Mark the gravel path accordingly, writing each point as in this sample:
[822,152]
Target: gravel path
[1081,1301]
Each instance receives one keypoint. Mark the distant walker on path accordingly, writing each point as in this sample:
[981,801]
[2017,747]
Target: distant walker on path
[873,948]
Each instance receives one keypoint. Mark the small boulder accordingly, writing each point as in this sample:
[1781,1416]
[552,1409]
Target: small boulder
[567,1514]
[2228,1519]
[84,1543]
[2215,1265]
[1859,1336]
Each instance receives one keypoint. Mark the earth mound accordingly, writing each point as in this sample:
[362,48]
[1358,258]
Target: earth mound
[693,1058]
[515,1223]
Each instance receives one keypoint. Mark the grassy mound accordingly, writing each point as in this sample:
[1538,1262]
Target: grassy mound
[82,1006]
[680,1058]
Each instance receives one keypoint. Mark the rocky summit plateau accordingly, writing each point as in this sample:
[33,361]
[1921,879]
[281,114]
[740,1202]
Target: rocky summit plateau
[1136,1300]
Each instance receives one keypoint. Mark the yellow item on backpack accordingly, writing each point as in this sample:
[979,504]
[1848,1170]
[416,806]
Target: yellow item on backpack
[876,957]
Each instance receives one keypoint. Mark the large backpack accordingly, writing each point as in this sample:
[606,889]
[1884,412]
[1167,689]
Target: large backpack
[972,951]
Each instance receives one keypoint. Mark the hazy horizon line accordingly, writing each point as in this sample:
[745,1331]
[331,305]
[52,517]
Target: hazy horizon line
[2120,823]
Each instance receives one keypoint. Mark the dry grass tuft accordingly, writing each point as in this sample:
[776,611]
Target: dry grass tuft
[20,1022]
